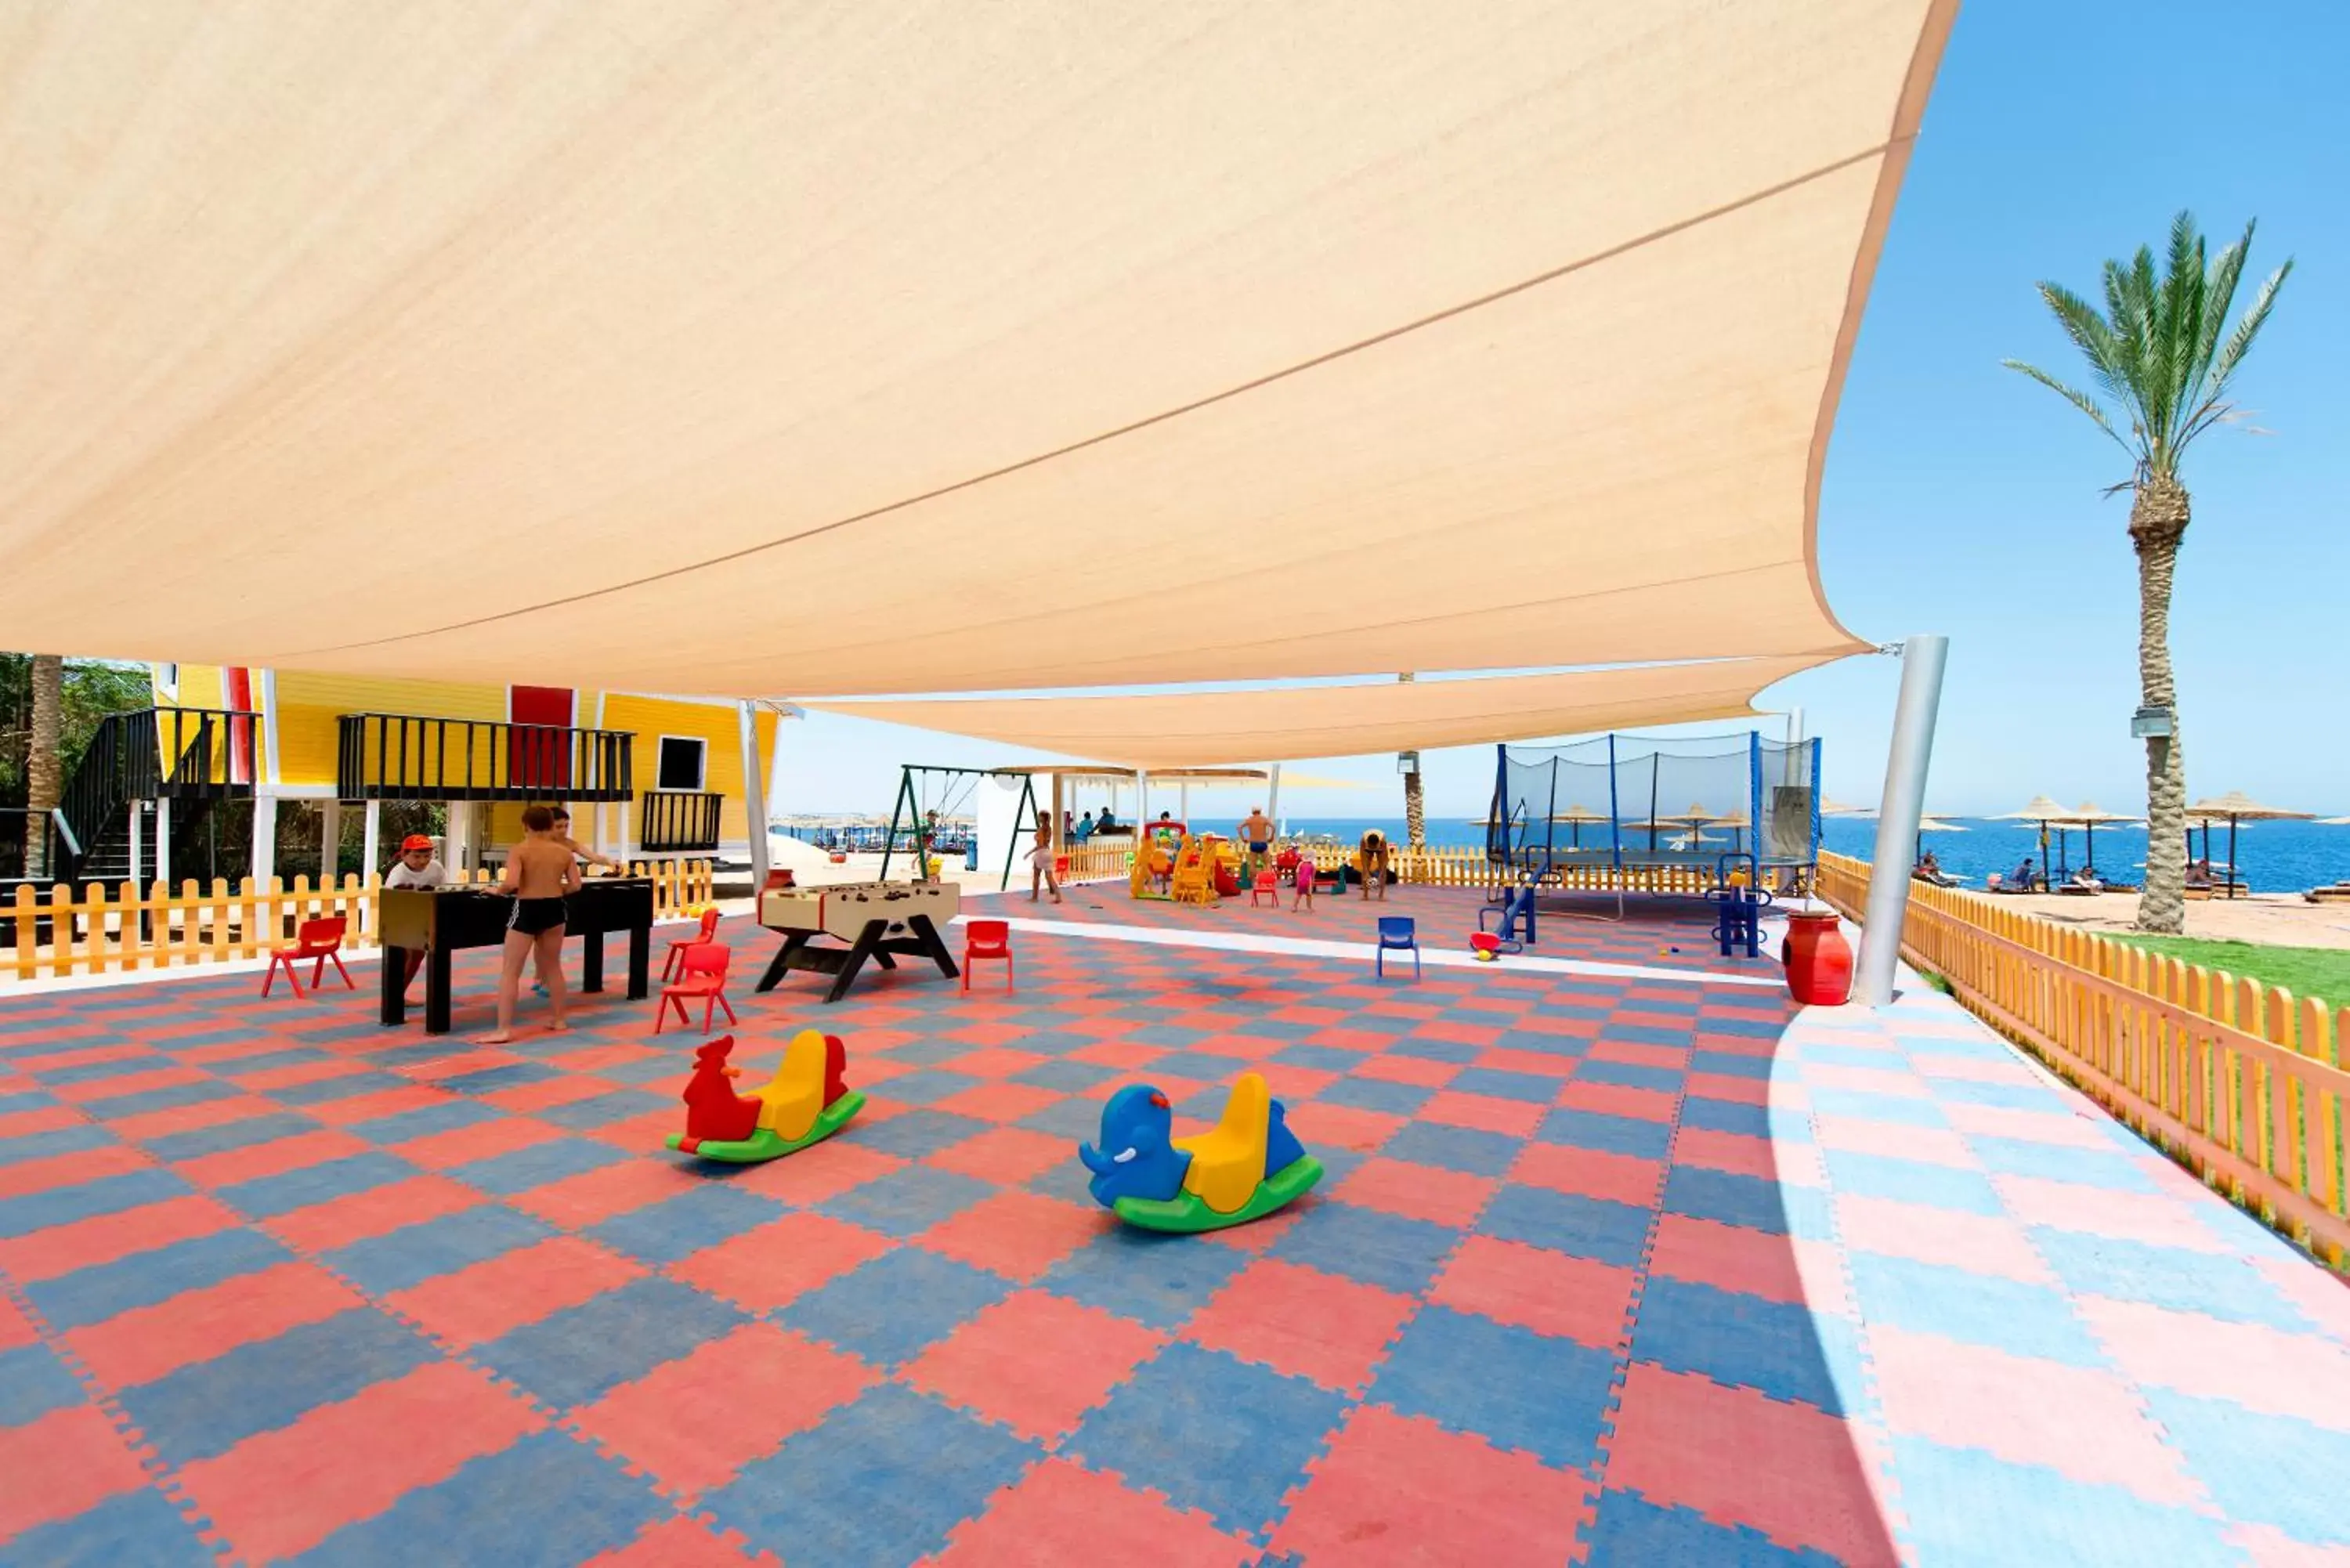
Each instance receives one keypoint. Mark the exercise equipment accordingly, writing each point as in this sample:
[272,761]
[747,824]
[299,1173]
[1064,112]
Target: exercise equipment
[1248,1165]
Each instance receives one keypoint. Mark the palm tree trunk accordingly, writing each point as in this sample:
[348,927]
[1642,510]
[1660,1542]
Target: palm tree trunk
[2158,516]
[45,780]
[1415,806]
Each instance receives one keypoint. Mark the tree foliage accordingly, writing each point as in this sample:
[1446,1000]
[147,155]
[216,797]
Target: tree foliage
[93,689]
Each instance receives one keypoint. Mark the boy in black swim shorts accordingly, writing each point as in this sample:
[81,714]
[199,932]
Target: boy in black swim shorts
[538,873]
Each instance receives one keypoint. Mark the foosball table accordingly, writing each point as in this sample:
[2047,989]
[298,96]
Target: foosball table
[877,920]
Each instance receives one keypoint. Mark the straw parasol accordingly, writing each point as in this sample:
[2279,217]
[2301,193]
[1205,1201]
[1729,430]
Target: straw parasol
[2043,810]
[2234,807]
[1927,824]
[2087,816]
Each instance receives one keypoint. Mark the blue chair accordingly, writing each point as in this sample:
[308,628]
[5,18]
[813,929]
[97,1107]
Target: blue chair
[1397,933]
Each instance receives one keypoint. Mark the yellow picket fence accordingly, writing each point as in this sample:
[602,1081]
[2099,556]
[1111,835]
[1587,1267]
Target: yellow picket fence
[101,933]
[2240,1083]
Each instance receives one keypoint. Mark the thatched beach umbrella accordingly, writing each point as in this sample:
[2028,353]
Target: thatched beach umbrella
[2087,816]
[1927,824]
[2234,807]
[2043,810]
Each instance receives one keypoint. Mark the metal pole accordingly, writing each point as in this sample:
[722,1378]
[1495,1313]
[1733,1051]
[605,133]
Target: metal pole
[1904,805]
[755,792]
[1273,798]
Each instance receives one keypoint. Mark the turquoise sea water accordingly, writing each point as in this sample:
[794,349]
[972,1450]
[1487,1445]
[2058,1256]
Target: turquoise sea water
[2273,856]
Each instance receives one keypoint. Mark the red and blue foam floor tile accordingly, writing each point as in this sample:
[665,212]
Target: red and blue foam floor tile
[1605,1269]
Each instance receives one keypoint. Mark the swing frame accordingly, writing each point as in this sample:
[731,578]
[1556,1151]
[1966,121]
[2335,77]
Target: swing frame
[907,809]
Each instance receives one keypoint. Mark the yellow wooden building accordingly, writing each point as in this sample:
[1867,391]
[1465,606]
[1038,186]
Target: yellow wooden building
[646,776]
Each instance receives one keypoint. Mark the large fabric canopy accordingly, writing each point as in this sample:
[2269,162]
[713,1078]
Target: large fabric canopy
[724,346]
[1160,732]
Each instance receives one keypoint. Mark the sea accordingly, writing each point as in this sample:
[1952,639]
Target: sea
[2273,856]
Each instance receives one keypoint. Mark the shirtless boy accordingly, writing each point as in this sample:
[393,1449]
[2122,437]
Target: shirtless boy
[539,872]
[563,837]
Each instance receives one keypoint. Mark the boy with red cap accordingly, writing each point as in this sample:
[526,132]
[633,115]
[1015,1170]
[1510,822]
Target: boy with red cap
[415,867]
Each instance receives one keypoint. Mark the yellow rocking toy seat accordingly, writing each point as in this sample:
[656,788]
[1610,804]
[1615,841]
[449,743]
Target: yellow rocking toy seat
[1228,1163]
[791,1101]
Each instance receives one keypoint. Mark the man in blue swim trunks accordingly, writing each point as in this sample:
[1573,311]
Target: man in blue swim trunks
[539,873]
[1257,833]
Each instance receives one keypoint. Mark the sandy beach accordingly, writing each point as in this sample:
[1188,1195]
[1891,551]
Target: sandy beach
[2284,919]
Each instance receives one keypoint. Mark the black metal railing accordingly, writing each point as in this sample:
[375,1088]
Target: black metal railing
[678,819]
[150,753]
[408,756]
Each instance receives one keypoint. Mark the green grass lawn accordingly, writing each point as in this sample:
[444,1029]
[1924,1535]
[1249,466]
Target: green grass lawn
[2305,971]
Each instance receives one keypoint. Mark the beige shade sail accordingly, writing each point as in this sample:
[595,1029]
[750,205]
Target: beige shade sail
[1160,732]
[724,346]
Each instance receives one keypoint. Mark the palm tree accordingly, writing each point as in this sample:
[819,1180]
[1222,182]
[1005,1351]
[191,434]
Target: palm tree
[45,780]
[1415,805]
[2162,354]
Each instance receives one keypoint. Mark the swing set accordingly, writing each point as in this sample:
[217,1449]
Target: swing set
[926,794]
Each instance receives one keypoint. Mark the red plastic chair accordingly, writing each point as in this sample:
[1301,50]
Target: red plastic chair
[987,940]
[317,940]
[1266,885]
[676,949]
[701,975]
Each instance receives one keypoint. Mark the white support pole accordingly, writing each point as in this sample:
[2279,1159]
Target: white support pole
[1273,798]
[265,839]
[755,795]
[1141,803]
[1183,800]
[1898,813]
[457,838]
[164,839]
[330,843]
[138,849]
[371,841]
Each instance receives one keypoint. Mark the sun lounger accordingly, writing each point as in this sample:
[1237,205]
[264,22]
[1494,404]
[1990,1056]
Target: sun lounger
[2339,893]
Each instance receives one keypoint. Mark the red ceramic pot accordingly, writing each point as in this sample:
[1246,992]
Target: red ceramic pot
[1818,958]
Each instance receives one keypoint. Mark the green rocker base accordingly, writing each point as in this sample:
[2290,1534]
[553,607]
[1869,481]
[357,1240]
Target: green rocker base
[1186,1214]
[765,1144]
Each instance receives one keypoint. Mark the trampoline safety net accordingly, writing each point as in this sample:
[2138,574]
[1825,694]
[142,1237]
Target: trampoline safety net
[1636,801]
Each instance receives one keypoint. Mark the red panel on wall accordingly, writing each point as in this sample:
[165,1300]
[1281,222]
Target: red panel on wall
[534,757]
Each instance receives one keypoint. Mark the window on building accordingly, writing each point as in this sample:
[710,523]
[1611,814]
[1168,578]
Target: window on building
[681,760]
[167,682]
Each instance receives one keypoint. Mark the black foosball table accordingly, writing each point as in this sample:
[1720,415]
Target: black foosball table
[875,919]
[440,921]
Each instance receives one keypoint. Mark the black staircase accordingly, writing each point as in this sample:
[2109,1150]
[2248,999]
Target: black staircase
[678,820]
[150,754]
[408,756]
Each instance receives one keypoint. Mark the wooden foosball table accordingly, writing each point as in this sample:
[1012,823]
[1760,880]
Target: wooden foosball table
[877,920]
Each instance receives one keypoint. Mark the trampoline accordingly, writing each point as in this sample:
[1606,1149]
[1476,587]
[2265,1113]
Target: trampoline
[1623,814]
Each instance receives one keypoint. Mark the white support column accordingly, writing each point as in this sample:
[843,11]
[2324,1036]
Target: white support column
[755,796]
[1922,659]
[330,843]
[1142,802]
[1273,798]
[138,848]
[265,839]
[1059,847]
[371,841]
[164,839]
[1183,801]
[457,842]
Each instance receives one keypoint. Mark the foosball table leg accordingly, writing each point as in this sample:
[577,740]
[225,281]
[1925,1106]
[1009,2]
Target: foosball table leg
[854,960]
[782,963]
[934,944]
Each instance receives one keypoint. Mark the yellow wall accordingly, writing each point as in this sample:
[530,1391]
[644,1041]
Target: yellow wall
[201,686]
[309,705]
[653,717]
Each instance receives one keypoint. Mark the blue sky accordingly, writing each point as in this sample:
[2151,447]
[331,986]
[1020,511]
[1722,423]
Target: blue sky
[1962,499]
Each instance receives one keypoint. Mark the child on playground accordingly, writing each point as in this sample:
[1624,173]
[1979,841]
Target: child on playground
[1305,875]
[1373,859]
[416,867]
[1040,862]
[538,873]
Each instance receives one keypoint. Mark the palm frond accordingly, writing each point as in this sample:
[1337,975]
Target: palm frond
[2240,342]
[2097,340]
[2218,299]
[2079,399]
